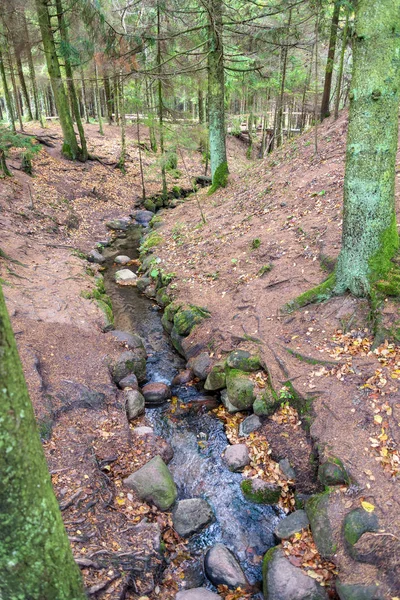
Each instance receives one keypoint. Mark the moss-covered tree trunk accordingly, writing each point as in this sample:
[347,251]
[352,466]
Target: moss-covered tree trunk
[341,64]
[70,147]
[32,75]
[370,239]
[36,561]
[216,96]
[161,105]
[326,96]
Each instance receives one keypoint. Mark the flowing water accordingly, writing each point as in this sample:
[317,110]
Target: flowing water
[197,437]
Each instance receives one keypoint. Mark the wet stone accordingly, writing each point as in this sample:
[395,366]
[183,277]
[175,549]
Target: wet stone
[242,360]
[283,581]
[143,430]
[356,523]
[156,394]
[222,568]
[240,389]
[130,340]
[130,381]
[118,224]
[122,259]
[142,283]
[249,425]
[358,592]
[293,523]
[287,469]
[134,404]
[143,217]
[332,472]
[193,574]
[260,491]
[127,363]
[317,509]
[191,515]
[226,402]
[182,377]
[95,257]
[197,594]
[216,379]
[154,483]
[237,457]
[200,365]
[125,277]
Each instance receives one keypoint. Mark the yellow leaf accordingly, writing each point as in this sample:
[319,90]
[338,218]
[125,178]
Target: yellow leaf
[367,506]
[378,419]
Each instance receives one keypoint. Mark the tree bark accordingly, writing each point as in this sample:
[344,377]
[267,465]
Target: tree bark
[330,61]
[7,95]
[107,91]
[22,81]
[370,239]
[70,147]
[216,96]
[160,104]
[341,63]
[70,80]
[31,68]
[35,557]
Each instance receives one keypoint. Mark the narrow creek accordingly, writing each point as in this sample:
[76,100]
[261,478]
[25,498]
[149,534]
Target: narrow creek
[198,438]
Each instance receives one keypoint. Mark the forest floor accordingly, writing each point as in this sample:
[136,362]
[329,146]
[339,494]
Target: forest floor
[269,236]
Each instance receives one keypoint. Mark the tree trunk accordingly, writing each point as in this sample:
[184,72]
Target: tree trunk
[31,68]
[370,239]
[201,106]
[70,81]
[7,95]
[107,91]
[122,158]
[15,91]
[216,97]
[97,101]
[150,112]
[341,63]
[330,61]
[160,105]
[70,147]
[84,98]
[22,81]
[35,557]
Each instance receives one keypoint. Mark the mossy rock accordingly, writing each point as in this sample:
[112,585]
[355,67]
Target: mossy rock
[265,404]
[356,523]
[240,389]
[142,283]
[131,361]
[147,262]
[242,360]
[166,323]
[188,317]
[358,592]
[317,509]
[149,205]
[332,472]
[162,297]
[171,310]
[150,241]
[176,340]
[260,491]
[216,379]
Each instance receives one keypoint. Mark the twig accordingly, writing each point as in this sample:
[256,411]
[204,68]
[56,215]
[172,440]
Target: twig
[85,562]
[102,586]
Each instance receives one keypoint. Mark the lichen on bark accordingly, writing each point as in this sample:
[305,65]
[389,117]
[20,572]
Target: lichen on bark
[36,561]
[370,238]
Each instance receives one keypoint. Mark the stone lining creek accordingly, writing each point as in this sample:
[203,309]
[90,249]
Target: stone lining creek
[197,437]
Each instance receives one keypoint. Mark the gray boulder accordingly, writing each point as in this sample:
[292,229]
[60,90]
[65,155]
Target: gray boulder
[156,393]
[118,224]
[216,379]
[154,483]
[130,381]
[95,257]
[127,363]
[222,568]
[249,425]
[132,341]
[125,277]
[359,591]
[143,217]
[287,468]
[293,523]
[200,365]
[122,259]
[240,389]
[283,581]
[237,457]
[190,516]
[143,430]
[197,594]
[134,404]
[227,403]
[260,492]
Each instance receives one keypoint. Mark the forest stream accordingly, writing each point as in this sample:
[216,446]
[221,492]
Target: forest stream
[197,436]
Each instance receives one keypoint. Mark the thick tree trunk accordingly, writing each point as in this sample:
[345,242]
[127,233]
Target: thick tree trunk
[70,147]
[216,97]
[122,119]
[35,557]
[15,91]
[150,112]
[326,96]
[22,81]
[7,95]
[370,239]
[201,106]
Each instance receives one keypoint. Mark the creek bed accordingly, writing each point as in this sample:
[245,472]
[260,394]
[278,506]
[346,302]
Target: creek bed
[198,438]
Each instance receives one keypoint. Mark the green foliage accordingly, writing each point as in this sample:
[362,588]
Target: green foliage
[9,140]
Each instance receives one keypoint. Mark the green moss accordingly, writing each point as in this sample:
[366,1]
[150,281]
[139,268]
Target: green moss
[220,178]
[187,317]
[240,389]
[301,404]
[268,556]
[265,269]
[265,494]
[317,512]
[103,301]
[332,472]
[356,523]
[319,293]
[171,310]
[309,359]
[150,241]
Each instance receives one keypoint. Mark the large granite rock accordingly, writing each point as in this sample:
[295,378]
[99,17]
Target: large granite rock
[249,425]
[134,404]
[191,515]
[95,257]
[242,360]
[240,389]
[222,568]
[125,277]
[154,483]
[283,581]
[156,393]
[317,509]
[200,365]
[216,379]
[127,363]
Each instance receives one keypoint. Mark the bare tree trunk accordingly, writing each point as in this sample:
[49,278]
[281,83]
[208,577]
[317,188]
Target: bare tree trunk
[326,96]
[341,63]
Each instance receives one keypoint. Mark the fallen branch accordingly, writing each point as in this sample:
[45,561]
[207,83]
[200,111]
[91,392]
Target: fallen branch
[102,586]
